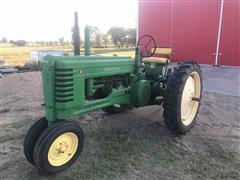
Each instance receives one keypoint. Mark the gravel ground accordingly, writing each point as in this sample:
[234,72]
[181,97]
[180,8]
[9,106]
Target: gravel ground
[131,145]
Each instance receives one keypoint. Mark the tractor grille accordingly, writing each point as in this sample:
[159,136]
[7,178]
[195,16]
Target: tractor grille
[63,85]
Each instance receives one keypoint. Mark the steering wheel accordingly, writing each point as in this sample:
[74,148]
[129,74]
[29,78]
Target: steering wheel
[147,45]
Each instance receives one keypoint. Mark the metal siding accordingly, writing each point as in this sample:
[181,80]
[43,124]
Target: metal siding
[229,42]
[154,19]
[195,27]
[191,27]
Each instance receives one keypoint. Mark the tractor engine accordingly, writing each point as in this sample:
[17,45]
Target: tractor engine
[73,85]
[101,87]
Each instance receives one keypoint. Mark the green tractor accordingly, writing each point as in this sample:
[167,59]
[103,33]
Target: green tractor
[80,84]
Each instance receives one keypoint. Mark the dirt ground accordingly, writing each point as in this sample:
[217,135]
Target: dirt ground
[131,145]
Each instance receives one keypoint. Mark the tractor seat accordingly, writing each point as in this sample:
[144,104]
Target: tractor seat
[155,60]
[164,52]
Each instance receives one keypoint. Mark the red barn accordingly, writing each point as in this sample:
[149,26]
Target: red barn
[205,30]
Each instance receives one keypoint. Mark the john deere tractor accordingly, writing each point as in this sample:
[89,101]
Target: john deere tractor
[74,85]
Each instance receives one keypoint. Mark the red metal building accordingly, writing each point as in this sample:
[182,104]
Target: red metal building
[205,30]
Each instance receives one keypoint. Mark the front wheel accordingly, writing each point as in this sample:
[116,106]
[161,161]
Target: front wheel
[58,147]
[182,100]
[32,136]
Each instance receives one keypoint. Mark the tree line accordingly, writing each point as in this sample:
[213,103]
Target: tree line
[60,42]
[115,36]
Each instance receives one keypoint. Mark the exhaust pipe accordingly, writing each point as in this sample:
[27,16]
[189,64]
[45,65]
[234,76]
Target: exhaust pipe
[76,36]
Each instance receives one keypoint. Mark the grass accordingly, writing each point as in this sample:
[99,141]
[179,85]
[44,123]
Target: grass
[216,163]
[112,152]
[13,131]
[20,55]
[118,154]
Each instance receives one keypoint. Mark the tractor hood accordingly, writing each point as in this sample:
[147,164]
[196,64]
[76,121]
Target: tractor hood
[91,66]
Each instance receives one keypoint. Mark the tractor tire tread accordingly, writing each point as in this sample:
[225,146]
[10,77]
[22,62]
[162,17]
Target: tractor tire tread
[40,151]
[31,138]
[175,85]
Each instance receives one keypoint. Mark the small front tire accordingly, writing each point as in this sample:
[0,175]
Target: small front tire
[31,138]
[58,147]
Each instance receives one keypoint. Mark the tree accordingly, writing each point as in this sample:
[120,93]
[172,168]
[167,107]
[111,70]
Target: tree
[56,43]
[131,36]
[12,42]
[4,40]
[93,33]
[37,43]
[51,43]
[106,40]
[61,41]
[68,43]
[118,35]
[96,37]
[98,40]
[42,43]
[81,42]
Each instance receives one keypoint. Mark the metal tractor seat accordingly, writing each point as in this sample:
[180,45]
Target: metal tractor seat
[164,52]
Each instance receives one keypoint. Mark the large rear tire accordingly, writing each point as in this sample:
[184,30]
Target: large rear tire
[182,100]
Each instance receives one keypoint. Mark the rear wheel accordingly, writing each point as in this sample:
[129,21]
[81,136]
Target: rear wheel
[182,100]
[32,136]
[115,109]
[58,147]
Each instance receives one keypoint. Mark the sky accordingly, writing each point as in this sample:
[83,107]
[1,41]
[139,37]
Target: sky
[48,20]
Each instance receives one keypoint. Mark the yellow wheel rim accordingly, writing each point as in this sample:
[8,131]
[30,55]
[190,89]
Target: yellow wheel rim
[190,98]
[63,149]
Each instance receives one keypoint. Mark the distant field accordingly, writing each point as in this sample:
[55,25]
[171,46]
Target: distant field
[20,55]
[13,55]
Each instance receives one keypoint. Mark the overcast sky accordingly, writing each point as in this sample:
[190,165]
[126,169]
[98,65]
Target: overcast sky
[52,19]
